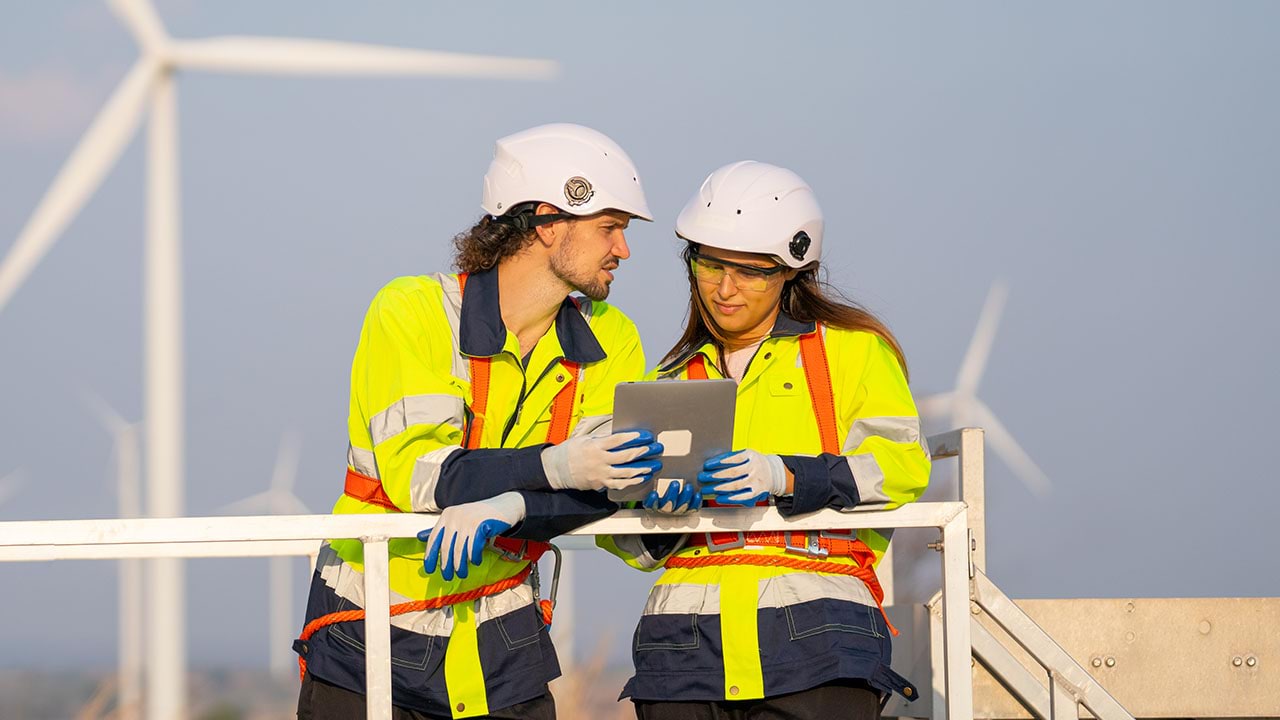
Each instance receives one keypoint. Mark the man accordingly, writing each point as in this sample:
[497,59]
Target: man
[487,395]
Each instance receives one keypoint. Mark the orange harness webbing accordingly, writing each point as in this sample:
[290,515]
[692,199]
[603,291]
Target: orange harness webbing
[561,406]
[419,605]
[817,373]
[369,490]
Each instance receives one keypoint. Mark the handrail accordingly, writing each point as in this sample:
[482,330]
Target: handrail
[257,536]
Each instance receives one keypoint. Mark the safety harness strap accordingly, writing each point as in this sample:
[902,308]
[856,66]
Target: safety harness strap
[464,677]
[813,355]
[561,406]
[817,374]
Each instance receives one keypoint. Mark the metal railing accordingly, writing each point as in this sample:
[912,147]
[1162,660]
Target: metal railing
[204,537]
[297,535]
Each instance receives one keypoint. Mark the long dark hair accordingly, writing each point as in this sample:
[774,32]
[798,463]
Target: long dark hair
[487,243]
[807,297]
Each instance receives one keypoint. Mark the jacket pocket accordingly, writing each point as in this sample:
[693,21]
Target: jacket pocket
[408,649]
[814,618]
[787,383]
[520,628]
[667,632]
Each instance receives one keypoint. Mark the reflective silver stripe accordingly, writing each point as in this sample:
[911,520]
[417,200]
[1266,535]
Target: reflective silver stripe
[895,429]
[591,424]
[362,461]
[775,592]
[438,409]
[425,477]
[452,296]
[348,584]
[869,478]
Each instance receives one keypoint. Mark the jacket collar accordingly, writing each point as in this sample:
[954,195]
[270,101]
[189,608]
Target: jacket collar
[481,332]
[783,326]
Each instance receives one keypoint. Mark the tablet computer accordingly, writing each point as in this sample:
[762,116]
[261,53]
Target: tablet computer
[693,419]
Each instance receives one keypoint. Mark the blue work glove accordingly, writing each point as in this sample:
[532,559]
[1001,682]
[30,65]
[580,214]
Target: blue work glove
[615,461]
[677,498]
[459,536]
[744,477]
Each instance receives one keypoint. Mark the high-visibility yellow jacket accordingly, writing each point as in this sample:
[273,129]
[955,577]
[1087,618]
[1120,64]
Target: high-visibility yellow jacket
[411,402]
[744,632]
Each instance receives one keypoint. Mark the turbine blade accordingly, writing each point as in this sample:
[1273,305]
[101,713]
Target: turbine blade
[308,57]
[286,470]
[975,358]
[935,405]
[292,505]
[10,485]
[262,503]
[107,417]
[83,172]
[1011,452]
[141,19]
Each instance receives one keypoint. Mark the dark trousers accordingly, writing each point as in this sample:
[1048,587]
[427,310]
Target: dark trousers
[850,699]
[318,700]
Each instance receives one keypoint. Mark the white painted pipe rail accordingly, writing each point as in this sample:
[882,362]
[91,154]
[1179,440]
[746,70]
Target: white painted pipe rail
[297,535]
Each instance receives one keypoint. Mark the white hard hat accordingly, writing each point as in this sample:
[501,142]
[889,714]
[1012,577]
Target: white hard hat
[757,208]
[577,169]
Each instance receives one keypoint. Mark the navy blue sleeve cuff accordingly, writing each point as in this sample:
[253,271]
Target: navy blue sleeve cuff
[821,482]
[470,475]
[550,514]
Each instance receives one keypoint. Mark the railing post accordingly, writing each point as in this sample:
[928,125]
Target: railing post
[377,628]
[973,491]
[957,636]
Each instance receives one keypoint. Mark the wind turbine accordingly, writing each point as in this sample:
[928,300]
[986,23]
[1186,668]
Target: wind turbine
[279,500]
[963,407]
[149,86]
[125,442]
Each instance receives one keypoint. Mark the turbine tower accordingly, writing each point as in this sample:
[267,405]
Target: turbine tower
[279,500]
[129,666]
[149,87]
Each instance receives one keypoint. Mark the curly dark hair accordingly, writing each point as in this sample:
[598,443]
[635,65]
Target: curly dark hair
[487,243]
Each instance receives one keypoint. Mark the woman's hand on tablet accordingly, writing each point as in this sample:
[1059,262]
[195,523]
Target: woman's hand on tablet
[744,477]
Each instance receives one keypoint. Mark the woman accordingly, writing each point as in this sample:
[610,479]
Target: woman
[775,624]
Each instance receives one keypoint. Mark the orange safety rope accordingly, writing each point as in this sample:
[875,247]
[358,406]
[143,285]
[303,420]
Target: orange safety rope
[419,605]
[865,574]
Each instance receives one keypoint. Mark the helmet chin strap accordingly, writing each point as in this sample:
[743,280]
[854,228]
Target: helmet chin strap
[522,217]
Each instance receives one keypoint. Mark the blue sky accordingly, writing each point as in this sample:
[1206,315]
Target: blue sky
[1114,164]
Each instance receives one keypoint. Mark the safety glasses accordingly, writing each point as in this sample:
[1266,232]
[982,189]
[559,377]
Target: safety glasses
[745,277]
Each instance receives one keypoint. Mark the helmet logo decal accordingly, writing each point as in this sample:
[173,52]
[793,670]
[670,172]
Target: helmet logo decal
[577,190]
[799,245]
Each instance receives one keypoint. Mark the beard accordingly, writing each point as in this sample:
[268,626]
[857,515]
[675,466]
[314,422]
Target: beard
[569,265]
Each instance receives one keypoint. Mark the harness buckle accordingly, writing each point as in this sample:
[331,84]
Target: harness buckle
[812,546]
[517,556]
[713,546]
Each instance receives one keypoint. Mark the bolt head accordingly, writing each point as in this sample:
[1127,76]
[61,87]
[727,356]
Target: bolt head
[1111,662]
[1097,662]
[1252,661]
[1237,661]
